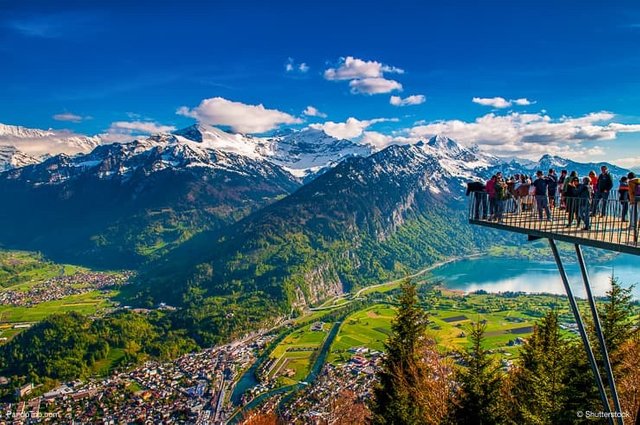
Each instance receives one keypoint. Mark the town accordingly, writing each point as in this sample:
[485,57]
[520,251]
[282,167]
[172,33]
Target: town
[63,286]
[194,388]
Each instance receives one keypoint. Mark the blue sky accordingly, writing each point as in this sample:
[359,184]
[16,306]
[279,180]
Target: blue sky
[557,77]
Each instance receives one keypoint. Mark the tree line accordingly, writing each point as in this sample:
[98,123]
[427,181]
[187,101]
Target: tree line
[551,381]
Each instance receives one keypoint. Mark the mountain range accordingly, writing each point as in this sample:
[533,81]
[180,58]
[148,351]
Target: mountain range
[298,216]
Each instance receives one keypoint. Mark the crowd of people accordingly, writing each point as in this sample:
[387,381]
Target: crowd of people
[581,198]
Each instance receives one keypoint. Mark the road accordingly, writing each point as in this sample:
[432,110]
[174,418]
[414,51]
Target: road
[389,283]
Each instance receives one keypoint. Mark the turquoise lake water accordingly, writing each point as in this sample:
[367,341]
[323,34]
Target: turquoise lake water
[501,275]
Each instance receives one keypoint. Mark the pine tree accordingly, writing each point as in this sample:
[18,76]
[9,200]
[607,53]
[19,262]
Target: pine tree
[394,400]
[538,381]
[615,316]
[478,400]
[552,380]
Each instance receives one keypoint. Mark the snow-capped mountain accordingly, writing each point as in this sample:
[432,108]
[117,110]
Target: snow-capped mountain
[301,153]
[139,158]
[546,162]
[123,203]
[10,158]
[310,152]
[36,143]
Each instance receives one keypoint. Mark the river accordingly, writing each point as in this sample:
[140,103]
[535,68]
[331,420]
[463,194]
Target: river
[501,275]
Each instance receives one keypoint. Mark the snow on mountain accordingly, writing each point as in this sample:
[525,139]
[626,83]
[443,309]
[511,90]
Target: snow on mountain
[309,151]
[546,162]
[35,142]
[301,153]
[10,158]
[123,161]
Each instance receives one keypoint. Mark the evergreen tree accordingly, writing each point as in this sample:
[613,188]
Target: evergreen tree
[553,379]
[538,381]
[478,400]
[394,401]
[615,316]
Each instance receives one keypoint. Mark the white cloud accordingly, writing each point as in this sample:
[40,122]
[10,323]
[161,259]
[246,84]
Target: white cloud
[501,102]
[529,135]
[68,116]
[523,101]
[311,111]
[240,117]
[125,131]
[352,68]
[496,102]
[144,127]
[630,162]
[349,129]
[365,77]
[374,86]
[375,139]
[416,99]
[292,66]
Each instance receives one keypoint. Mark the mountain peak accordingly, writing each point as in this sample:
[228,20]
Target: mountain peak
[440,141]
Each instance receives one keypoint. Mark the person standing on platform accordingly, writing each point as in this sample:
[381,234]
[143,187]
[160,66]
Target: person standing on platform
[552,187]
[623,196]
[572,200]
[542,195]
[634,199]
[604,184]
[502,194]
[583,196]
[562,188]
[490,187]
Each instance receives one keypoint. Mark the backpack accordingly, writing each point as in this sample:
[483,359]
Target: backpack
[637,191]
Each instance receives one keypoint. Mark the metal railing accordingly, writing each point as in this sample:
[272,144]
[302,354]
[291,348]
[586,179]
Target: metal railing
[607,223]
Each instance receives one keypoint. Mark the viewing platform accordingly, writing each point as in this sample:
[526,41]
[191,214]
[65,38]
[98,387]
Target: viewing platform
[521,215]
[581,222]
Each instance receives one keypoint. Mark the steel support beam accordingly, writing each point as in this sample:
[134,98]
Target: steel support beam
[581,329]
[600,335]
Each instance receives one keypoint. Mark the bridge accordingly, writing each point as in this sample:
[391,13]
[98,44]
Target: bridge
[594,224]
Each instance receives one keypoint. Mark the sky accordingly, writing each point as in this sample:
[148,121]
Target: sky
[517,78]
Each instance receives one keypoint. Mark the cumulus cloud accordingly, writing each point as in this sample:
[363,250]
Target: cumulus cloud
[523,101]
[352,68]
[374,86]
[496,102]
[145,127]
[529,135]
[365,77]
[349,129]
[68,116]
[630,162]
[292,66]
[311,111]
[501,102]
[125,131]
[240,117]
[409,100]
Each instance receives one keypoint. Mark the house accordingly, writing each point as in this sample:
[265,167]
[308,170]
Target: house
[24,390]
[317,327]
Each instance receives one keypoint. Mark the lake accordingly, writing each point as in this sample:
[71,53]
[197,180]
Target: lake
[501,275]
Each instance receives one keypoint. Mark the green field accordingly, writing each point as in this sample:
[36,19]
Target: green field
[105,366]
[89,303]
[296,352]
[21,270]
[365,328]
[450,316]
